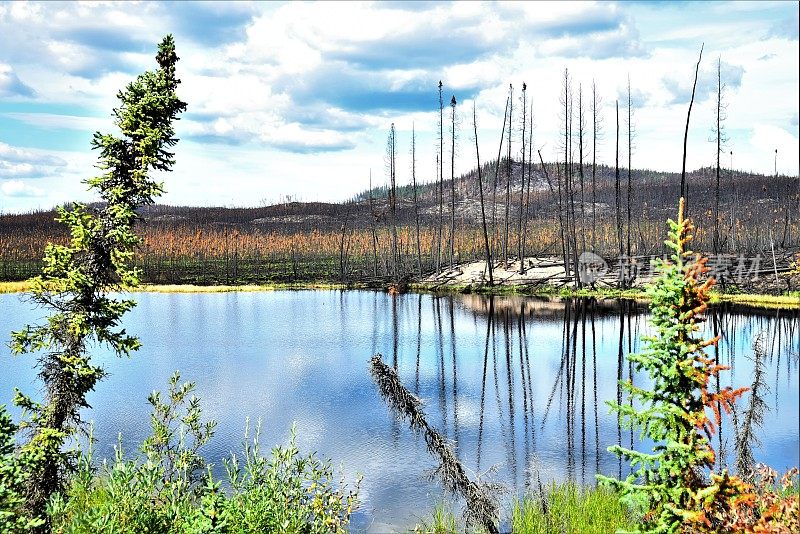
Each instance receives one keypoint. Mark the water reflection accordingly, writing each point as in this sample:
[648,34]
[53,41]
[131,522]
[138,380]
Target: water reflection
[518,384]
[567,400]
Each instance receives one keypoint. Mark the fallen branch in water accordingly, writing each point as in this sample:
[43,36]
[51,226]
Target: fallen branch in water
[481,508]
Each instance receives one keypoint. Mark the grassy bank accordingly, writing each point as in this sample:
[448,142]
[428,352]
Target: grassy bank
[20,287]
[791,300]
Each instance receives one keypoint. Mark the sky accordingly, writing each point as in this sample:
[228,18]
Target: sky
[295,100]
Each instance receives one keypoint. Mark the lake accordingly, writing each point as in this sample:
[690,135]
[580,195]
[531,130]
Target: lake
[518,384]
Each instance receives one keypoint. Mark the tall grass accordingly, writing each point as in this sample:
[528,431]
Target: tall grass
[569,508]
[563,508]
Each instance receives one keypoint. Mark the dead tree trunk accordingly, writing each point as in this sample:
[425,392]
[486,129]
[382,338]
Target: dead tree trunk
[496,182]
[530,176]
[372,219]
[480,189]
[440,166]
[595,134]
[553,192]
[630,149]
[715,245]
[392,149]
[481,508]
[521,235]
[686,132]
[414,186]
[452,178]
[618,199]
[581,131]
[508,173]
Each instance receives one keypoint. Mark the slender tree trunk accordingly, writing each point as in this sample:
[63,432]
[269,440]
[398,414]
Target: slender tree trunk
[452,179]
[564,226]
[528,187]
[393,200]
[571,188]
[414,186]
[618,199]
[440,165]
[553,192]
[719,151]
[508,173]
[581,128]
[342,251]
[630,148]
[595,125]
[684,193]
[521,235]
[480,189]
[568,244]
[372,226]
[495,237]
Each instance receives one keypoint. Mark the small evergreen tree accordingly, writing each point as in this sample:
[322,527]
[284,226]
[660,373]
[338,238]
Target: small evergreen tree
[77,277]
[670,483]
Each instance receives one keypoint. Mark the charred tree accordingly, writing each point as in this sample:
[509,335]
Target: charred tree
[618,195]
[581,141]
[452,178]
[596,135]
[528,186]
[372,219]
[414,187]
[392,154]
[508,175]
[630,190]
[497,178]
[520,234]
[481,508]
[480,190]
[686,132]
[440,166]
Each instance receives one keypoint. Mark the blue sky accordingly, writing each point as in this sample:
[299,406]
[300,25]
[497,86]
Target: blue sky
[296,99]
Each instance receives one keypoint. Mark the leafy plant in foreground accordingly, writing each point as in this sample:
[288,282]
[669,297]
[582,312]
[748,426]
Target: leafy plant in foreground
[77,276]
[168,488]
[14,470]
[670,482]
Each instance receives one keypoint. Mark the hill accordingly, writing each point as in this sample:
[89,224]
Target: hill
[352,240]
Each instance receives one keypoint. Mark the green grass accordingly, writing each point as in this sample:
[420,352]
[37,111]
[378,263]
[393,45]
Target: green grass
[790,300]
[442,521]
[568,508]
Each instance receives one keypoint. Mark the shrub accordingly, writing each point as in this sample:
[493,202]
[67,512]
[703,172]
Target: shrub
[14,470]
[169,488]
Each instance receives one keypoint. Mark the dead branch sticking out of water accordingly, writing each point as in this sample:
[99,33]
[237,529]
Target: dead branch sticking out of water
[481,508]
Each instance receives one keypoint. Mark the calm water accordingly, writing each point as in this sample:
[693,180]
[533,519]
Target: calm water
[518,384]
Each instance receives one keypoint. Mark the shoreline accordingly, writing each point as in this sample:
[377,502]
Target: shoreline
[790,301]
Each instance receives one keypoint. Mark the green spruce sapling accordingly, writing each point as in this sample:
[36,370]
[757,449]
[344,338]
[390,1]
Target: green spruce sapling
[77,277]
[673,483]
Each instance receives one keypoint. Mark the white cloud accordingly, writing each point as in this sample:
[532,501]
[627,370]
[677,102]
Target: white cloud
[306,92]
[18,162]
[18,188]
[766,139]
[11,85]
